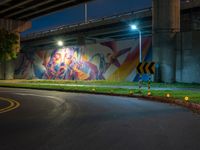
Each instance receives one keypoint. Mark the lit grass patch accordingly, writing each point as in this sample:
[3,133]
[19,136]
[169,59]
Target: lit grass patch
[193,96]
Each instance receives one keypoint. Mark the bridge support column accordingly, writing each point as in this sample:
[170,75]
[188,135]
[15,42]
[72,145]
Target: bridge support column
[166,23]
[14,26]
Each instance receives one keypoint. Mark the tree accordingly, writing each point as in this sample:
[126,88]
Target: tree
[9,47]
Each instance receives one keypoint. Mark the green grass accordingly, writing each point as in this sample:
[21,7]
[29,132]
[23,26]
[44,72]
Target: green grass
[193,96]
[105,82]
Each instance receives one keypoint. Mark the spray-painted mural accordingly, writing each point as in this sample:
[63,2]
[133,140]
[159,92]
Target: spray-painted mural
[105,61]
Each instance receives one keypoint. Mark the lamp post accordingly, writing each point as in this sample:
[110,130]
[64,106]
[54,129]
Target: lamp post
[135,28]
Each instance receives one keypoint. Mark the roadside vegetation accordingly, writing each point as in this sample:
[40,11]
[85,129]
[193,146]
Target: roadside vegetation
[192,96]
[103,82]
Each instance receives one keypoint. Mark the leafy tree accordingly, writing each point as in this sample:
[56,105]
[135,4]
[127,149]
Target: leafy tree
[9,45]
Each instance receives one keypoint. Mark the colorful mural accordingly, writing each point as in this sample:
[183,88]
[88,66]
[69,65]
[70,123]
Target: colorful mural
[104,61]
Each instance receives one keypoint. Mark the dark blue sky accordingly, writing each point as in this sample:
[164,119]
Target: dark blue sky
[96,9]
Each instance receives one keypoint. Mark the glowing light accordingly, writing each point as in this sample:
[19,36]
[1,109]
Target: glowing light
[60,43]
[168,95]
[131,92]
[93,90]
[149,93]
[187,1]
[134,27]
[186,98]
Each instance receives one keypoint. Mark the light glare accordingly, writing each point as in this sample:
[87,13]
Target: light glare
[168,95]
[60,43]
[134,27]
[186,98]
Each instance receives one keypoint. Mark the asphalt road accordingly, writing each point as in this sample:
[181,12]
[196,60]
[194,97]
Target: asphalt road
[50,120]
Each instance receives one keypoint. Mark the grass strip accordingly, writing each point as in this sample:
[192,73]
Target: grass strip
[194,96]
[106,82]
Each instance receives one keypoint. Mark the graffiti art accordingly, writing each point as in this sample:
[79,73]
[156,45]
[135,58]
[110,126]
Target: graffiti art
[104,61]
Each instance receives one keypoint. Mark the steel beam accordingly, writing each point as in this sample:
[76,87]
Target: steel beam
[15,6]
[45,9]
[4,2]
[28,8]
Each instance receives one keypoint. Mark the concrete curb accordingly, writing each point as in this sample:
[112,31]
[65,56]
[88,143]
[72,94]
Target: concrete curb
[192,106]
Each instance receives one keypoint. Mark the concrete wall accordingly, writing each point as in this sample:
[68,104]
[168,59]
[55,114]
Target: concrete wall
[112,60]
[188,57]
[8,72]
[1,71]
[187,61]
[98,56]
[15,27]
[166,24]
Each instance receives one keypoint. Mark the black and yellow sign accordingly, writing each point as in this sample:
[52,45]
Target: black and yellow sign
[146,68]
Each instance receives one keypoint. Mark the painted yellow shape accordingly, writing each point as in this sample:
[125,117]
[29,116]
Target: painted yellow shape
[12,105]
[128,66]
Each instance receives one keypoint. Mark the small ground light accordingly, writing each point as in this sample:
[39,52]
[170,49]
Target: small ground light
[186,98]
[168,95]
[149,93]
[131,92]
[93,90]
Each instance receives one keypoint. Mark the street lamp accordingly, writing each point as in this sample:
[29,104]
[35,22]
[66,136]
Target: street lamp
[135,28]
[60,43]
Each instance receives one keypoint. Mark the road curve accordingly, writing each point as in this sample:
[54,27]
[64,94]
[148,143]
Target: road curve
[51,120]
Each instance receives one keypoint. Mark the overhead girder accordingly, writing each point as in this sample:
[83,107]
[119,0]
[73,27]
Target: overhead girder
[29,9]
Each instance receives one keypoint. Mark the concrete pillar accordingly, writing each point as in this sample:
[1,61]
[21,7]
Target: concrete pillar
[166,23]
[13,26]
[1,71]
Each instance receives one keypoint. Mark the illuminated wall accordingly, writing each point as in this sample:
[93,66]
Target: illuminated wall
[104,61]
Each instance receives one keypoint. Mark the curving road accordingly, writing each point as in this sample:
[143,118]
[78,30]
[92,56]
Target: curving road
[51,120]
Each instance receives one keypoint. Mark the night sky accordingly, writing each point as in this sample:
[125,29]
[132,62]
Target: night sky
[96,9]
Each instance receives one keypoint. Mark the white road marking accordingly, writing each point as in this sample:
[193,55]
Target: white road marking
[26,94]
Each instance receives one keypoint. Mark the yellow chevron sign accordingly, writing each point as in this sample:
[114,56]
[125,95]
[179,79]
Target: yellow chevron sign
[146,68]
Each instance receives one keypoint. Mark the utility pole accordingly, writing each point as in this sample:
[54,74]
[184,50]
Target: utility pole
[86,13]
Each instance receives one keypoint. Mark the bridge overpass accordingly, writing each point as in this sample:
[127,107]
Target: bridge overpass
[16,16]
[29,9]
[108,28]
[111,28]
